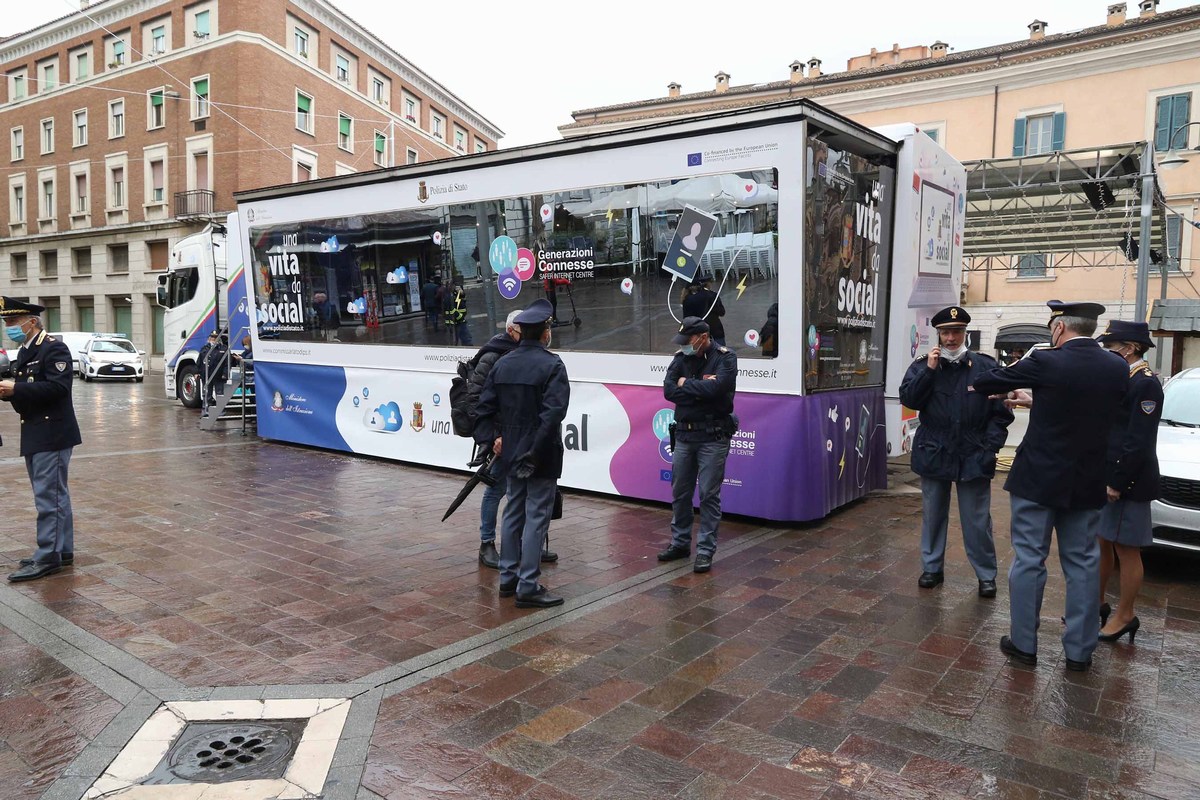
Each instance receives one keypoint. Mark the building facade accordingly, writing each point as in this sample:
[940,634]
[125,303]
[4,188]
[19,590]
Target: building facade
[131,123]
[1136,77]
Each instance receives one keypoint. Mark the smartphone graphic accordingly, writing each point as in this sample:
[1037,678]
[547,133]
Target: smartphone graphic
[864,428]
[692,233]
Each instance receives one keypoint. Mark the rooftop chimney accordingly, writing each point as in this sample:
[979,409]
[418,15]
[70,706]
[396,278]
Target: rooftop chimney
[796,71]
[673,89]
[1116,15]
[939,48]
[722,81]
[1037,29]
[814,67]
[1147,8]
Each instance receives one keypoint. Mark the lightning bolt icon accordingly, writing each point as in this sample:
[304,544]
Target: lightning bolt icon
[741,287]
[842,465]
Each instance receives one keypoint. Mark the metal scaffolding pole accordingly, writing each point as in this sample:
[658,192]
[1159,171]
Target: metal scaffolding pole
[1140,311]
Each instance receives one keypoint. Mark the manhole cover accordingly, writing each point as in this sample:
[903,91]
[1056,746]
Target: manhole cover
[215,752]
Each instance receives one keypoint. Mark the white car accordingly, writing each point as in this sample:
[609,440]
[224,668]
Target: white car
[1175,515]
[75,342]
[112,357]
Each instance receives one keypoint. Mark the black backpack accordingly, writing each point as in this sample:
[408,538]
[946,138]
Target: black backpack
[462,408]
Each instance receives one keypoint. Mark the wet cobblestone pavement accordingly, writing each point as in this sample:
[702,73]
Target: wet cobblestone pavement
[806,664]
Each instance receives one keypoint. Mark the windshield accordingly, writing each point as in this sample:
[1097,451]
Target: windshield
[1181,403]
[113,347]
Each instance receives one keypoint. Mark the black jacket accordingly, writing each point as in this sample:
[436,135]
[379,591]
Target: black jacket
[42,396]
[696,304]
[768,336]
[702,402]
[1133,443]
[960,431]
[484,360]
[1077,391]
[524,400]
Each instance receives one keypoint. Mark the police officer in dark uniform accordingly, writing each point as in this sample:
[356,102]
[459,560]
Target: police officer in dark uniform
[1058,477]
[956,443]
[701,382]
[1132,477]
[40,392]
[520,414]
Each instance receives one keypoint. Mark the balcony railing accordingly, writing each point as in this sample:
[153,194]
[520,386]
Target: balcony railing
[196,204]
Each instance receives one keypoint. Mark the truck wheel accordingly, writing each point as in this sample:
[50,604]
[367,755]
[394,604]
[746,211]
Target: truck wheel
[187,385]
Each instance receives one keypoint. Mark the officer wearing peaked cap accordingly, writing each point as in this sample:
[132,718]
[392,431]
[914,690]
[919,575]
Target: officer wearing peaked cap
[40,392]
[700,381]
[520,413]
[956,443]
[1058,477]
[1132,476]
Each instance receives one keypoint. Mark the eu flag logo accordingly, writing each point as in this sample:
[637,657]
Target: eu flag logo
[695,159]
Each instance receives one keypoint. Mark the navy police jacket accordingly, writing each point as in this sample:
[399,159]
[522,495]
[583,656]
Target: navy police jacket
[42,396]
[703,406]
[960,431]
[524,401]
[1132,445]
[1077,390]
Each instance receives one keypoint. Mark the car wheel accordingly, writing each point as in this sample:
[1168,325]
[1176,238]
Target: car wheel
[187,385]
[87,378]
[138,380]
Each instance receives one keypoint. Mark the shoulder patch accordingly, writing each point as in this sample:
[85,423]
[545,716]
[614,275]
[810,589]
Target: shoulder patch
[61,366]
[722,349]
[1148,406]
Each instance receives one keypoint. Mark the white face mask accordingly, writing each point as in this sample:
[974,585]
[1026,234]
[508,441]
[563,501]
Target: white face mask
[954,355]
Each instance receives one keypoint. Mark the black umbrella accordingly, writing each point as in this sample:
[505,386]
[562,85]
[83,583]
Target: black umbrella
[482,475]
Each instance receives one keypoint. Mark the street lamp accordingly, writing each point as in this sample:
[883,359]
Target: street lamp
[1178,157]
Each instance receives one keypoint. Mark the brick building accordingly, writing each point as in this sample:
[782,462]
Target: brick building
[132,122]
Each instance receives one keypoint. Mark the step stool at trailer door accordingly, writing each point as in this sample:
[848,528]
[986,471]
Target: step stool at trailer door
[237,404]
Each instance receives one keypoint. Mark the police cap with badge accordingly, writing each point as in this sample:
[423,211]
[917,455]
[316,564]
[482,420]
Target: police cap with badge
[11,307]
[691,326]
[1120,330]
[951,317]
[1082,310]
[539,313]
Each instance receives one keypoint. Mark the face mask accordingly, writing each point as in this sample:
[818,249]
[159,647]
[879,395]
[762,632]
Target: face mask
[954,355]
[15,332]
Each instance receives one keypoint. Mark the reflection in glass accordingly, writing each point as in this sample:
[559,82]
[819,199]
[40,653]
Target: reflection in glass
[595,253]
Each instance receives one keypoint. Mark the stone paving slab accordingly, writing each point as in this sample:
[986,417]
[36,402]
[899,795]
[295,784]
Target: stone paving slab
[807,664]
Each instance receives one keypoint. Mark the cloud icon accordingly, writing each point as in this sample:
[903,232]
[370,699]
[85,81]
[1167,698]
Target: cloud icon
[358,306]
[330,245]
[383,418]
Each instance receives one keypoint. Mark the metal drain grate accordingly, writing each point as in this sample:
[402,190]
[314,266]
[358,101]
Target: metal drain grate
[216,752]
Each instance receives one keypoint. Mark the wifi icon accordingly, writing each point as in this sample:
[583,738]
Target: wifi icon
[508,284]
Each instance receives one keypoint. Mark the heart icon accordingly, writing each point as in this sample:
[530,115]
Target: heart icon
[752,338]
[749,188]
[627,286]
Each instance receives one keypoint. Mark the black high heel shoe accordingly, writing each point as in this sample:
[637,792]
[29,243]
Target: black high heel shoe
[1130,627]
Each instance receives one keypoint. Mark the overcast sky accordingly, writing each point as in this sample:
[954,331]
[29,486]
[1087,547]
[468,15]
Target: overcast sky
[526,66]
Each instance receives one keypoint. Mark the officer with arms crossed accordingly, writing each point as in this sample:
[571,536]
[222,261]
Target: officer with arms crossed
[1057,479]
[520,413]
[700,381]
[40,391]
[1132,477]
[956,443]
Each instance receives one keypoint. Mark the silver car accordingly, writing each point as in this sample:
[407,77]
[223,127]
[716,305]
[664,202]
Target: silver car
[1176,513]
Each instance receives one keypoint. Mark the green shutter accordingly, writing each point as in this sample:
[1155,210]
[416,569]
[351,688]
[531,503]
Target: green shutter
[303,103]
[1180,112]
[380,141]
[201,87]
[1058,132]
[156,98]
[344,125]
[1162,122]
[202,23]
[1019,136]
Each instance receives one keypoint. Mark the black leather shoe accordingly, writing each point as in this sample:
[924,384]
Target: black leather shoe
[549,556]
[674,553]
[1015,653]
[928,580]
[987,588]
[508,589]
[703,564]
[539,599]
[1130,627]
[488,557]
[67,560]
[31,572]
[1079,666]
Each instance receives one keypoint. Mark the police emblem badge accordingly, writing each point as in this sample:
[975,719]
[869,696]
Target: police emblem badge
[417,422]
[1148,406]
[61,366]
